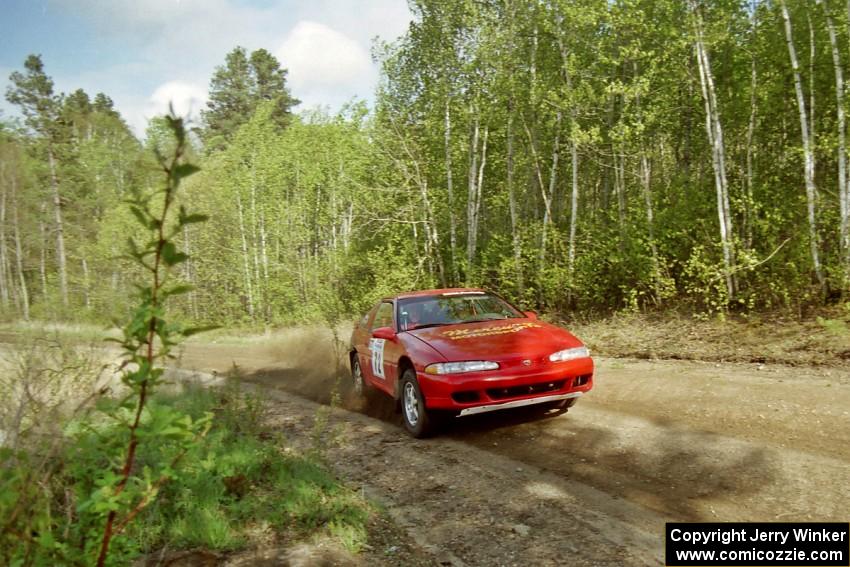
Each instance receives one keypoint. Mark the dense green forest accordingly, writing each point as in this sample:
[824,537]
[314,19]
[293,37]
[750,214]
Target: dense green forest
[590,155]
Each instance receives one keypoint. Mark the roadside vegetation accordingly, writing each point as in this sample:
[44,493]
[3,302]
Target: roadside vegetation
[99,464]
[240,489]
[236,489]
[759,338]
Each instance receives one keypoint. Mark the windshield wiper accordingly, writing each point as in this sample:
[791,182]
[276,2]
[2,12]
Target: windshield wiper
[486,320]
[427,325]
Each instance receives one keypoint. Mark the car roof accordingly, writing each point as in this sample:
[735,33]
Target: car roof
[442,291]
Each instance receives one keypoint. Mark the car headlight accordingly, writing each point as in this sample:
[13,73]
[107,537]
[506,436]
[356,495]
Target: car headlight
[459,367]
[569,354]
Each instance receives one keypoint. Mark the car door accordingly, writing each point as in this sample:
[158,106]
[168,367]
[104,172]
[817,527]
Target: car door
[383,353]
[360,340]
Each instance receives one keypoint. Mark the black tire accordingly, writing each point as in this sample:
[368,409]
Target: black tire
[417,419]
[560,405]
[359,387]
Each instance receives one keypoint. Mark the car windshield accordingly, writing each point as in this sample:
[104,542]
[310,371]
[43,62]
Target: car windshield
[451,309]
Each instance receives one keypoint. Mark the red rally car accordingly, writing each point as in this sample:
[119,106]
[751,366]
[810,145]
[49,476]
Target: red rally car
[450,352]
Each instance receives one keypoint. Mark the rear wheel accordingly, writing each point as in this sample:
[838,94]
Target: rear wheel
[417,420]
[358,384]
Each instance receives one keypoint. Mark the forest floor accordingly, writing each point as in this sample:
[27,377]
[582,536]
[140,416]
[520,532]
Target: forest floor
[658,439]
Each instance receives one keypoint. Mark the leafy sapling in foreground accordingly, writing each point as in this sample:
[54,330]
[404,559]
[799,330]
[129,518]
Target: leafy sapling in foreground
[123,490]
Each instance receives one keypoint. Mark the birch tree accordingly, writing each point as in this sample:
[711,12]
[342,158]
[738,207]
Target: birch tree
[450,188]
[574,127]
[843,195]
[808,147]
[476,182]
[714,130]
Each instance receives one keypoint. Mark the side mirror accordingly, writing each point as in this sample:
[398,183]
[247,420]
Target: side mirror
[385,333]
[531,315]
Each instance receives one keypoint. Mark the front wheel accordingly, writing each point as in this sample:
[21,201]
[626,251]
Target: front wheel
[417,420]
[560,405]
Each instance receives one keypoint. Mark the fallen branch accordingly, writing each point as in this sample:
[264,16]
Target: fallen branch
[752,266]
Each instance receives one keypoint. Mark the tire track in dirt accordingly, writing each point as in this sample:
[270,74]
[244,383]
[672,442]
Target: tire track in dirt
[653,442]
[468,506]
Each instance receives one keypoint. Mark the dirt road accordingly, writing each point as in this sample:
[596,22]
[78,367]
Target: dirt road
[653,442]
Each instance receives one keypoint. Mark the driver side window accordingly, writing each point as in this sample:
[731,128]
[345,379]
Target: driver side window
[384,316]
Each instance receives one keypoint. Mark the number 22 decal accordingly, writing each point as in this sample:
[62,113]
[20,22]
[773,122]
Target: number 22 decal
[376,346]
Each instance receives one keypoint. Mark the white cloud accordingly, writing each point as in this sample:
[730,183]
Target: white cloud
[187,100]
[325,66]
[359,19]
[154,43]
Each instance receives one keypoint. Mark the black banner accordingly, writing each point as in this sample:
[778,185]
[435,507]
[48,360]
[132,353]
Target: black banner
[757,544]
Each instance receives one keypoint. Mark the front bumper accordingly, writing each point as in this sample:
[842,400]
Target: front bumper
[477,392]
[519,403]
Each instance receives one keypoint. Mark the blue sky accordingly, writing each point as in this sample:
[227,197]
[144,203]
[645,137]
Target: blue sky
[145,53]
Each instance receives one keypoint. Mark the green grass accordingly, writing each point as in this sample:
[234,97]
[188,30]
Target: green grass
[238,488]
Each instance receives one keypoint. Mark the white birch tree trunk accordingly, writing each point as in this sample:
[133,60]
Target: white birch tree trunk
[565,70]
[86,283]
[509,141]
[646,183]
[645,173]
[4,280]
[553,179]
[450,188]
[471,191]
[714,130]
[255,256]
[19,260]
[748,213]
[573,210]
[347,223]
[512,205]
[721,160]
[480,187]
[42,259]
[812,53]
[553,169]
[843,196]
[620,190]
[23,293]
[189,271]
[264,255]
[474,205]
[431,229]
[60,231]
[538,170]
[246,265]
[808,151]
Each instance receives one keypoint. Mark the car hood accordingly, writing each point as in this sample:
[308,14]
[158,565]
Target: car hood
[497,340]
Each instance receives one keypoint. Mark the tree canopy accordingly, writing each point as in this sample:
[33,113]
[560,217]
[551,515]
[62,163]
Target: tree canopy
[238,87]
[590,156]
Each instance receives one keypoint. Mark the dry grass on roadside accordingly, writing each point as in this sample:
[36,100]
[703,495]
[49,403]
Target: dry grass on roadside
[824,340]
[43,380]
[77,332]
